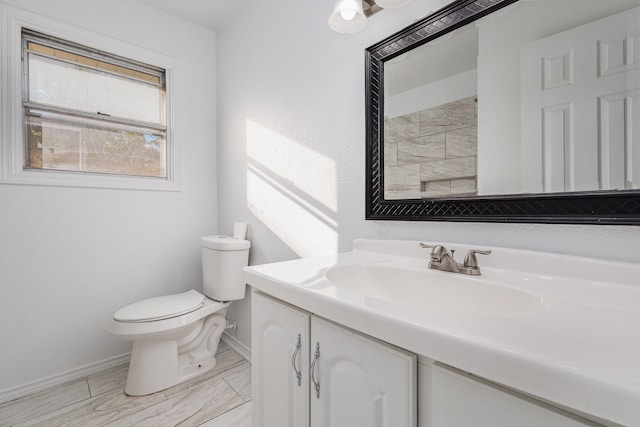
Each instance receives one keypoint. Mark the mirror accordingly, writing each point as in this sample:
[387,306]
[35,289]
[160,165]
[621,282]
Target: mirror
[470,119]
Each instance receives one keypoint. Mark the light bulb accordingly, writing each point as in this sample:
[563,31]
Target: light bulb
[347,14]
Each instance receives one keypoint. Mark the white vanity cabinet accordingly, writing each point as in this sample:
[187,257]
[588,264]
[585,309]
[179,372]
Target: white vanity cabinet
[460,400]
[346,378]
[279,339]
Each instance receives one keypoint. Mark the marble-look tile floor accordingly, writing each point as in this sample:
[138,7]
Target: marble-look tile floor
[219,398]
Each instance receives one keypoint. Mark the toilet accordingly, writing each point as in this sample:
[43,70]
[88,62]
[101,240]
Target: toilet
[175,337]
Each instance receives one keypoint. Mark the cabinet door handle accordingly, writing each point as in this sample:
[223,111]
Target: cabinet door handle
[293,360]
[316,384]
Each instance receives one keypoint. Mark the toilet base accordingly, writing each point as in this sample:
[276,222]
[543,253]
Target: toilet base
[158,364]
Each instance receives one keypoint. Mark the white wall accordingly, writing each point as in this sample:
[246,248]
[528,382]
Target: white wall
[453,88]
[70,257]
[292,141]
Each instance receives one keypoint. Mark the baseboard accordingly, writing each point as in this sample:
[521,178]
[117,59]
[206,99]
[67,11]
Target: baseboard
[65,377]
[13,393]
[233,342]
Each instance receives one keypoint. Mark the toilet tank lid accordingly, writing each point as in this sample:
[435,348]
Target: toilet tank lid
[224,243]
[160,307]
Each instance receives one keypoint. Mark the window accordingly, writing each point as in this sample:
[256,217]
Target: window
[86,110]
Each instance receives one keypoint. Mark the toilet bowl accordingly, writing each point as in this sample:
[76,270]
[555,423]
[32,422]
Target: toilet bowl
[175,337]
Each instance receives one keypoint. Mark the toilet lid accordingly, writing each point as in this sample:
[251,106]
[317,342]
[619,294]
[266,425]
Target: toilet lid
[161,307]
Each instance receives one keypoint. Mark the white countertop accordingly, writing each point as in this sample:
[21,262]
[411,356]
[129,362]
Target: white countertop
[580,349]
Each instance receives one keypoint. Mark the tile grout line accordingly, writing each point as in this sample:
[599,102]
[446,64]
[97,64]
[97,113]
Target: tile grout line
[70,403]
[227,411]
[232,388]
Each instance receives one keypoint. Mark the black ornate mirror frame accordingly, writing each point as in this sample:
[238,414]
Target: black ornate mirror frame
[598,207]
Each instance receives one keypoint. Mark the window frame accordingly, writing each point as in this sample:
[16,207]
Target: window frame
[13,168]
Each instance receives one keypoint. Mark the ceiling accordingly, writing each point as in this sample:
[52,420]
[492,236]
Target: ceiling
[210,14]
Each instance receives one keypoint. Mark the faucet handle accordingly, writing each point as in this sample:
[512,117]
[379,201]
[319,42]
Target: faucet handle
[424,245]
[437,251]
[470,259]
[434,257]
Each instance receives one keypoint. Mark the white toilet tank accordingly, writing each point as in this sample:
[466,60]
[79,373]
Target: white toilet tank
[222,260]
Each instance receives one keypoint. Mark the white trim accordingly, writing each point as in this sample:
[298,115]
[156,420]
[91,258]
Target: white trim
[11,139]
[4,84]
[235,344]
[63,378]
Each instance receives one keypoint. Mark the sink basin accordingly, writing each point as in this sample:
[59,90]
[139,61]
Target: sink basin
[433,290]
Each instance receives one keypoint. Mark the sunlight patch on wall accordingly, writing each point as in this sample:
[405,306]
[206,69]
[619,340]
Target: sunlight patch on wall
[293,190]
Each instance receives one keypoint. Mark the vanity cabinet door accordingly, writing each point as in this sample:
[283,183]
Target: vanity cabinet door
[361,382]
[280,364]
[459,400]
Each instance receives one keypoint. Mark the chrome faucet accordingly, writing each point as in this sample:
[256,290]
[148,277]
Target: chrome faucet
[443,259]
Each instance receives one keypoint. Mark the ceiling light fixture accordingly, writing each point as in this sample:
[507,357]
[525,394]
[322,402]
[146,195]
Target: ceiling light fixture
[348,16]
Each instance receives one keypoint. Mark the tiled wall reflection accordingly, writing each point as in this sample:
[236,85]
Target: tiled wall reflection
[432,153]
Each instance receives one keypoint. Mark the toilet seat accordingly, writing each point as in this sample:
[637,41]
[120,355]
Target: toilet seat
[159,308]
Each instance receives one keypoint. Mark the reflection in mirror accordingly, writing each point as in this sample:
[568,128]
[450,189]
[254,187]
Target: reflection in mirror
[542,96]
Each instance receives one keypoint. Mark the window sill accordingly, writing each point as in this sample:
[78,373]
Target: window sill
[88,180]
